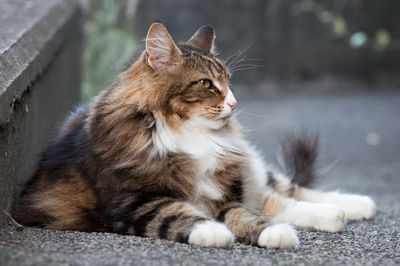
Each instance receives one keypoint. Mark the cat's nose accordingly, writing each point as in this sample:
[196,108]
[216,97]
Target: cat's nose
[230,100]
[232,105]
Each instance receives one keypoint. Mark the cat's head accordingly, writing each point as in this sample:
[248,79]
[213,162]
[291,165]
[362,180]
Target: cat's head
[187,81]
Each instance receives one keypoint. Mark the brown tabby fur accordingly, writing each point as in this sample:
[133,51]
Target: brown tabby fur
[102,172]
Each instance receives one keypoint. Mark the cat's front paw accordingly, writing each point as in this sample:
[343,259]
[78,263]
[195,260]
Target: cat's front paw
[211,234]
[359,207]
[278,236]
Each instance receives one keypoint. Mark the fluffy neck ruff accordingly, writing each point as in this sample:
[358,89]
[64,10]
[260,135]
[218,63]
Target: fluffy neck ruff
[194,138]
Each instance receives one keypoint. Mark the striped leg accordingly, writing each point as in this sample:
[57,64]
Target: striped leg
[171,219]
[256,230]
[356,207]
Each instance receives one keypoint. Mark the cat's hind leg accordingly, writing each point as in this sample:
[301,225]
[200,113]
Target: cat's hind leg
[298,158]
[356,207]
[316,216]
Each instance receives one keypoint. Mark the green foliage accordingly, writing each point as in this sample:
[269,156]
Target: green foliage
[358,39]
[335,20]
[106,47]
[339,26]
[382,39]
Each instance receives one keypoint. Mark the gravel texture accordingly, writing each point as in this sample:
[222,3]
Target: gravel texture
[360,139]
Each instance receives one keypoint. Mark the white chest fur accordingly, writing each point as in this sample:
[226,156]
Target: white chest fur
[194,139]
[207,148]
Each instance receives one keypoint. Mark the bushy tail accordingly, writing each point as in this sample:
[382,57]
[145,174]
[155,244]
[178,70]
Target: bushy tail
[298,158]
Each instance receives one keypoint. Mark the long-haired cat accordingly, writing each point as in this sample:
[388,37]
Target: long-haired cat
[160,154]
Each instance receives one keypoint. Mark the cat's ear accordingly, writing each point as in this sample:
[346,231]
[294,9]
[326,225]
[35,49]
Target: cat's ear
[161,50]
[203,39]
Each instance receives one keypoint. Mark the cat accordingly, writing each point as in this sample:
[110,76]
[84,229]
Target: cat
[160,154]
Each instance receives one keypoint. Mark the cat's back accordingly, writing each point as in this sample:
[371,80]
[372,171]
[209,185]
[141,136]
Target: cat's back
[68,150]
[58,196]
[74,121]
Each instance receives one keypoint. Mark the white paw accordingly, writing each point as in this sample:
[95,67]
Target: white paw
[211,234]
[330,218]
[323,217]
[278,236]
[358,207]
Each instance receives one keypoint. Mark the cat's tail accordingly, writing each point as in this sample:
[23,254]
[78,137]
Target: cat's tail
[298,158]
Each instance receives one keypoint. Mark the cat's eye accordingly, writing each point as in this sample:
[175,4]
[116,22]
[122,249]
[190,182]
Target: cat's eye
[206,83]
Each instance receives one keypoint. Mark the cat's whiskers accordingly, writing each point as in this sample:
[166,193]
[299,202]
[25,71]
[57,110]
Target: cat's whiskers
[241,111]
[243,60]
[230,57]
[245,67]
[237,56]
[240,62]
[329,167]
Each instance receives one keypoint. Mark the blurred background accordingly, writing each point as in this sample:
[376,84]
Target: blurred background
[287,45]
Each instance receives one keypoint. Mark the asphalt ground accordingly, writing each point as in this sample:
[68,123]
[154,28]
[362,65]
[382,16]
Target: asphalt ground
[360,153]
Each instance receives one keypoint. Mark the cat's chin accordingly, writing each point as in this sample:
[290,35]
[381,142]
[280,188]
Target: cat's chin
[212,124]
[218,123]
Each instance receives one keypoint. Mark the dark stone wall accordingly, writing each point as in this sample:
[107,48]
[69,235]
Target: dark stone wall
[288,44]
[48,87]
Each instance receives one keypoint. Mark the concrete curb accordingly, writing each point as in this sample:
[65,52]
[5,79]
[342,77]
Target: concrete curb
[39,82]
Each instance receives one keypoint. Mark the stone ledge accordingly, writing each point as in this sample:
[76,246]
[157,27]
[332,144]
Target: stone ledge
[32,32]
[40,56]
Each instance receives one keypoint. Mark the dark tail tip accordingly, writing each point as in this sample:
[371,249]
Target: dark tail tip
[298,158]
